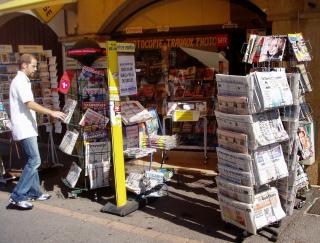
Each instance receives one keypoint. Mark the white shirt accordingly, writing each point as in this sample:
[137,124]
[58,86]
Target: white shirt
[23,120]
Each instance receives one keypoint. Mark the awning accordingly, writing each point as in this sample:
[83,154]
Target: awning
[208,58]
[10,6]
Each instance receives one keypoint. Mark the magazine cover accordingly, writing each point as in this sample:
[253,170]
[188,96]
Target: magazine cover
[299,47]
[272,49]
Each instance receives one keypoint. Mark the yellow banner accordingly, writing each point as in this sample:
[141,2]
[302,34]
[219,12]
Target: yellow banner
[48,12]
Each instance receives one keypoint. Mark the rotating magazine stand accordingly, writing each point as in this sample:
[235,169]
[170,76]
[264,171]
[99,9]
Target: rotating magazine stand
[250,156]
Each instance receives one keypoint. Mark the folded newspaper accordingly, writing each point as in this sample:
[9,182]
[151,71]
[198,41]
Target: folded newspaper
[68,109]
[91,117]
[235,141]
[73,174]
[99,174]
[269,164]
[68,141]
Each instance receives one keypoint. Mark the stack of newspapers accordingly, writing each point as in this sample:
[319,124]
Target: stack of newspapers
[250,154]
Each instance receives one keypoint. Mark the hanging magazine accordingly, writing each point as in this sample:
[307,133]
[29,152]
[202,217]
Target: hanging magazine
[5,124]
[273,48]
[99,174]
[299,47]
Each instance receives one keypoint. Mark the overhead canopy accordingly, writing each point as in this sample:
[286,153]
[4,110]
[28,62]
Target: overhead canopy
[208,58]
[10,6]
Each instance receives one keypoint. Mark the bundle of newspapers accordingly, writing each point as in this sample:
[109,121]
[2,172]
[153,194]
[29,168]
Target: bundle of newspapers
[136,153]
[264,210]
[258,129]
[165,142]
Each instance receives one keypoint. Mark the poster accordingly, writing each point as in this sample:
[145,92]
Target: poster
[127,75]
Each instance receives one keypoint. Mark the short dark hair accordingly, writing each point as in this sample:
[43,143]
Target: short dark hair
[26,58]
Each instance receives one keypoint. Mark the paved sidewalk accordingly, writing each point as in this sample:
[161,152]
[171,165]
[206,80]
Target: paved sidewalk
[189,214]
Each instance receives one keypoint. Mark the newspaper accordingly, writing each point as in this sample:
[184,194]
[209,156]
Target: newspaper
[68,142]
[68,109]
[97,152]
[238,177]
[91,117]
[235,191]
[269,164]
[267,208]
[237,213]
[235,160]
[274,90]
[237,142]
[233,104]
[133,112]
[262,128]
[99,174]
[73,174]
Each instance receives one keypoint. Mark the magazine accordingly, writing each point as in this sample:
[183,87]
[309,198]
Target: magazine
[299,47]
[273,48]
[91,117]
[91,78]
[68,142]
[73,174]
[98,106]
[94,94]
[249,49]
[5,124]
[68,109]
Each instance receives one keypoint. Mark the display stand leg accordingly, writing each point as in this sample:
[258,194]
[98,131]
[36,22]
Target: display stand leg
[205,139]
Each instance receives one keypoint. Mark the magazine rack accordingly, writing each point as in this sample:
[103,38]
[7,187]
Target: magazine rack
[88,132]
[261,139]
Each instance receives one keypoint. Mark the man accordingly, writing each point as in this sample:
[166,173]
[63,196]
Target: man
[24,130]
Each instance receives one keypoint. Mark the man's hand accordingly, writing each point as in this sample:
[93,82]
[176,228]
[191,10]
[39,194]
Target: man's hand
[58,114]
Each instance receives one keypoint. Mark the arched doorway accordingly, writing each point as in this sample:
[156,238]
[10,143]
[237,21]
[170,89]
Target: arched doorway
[26,29]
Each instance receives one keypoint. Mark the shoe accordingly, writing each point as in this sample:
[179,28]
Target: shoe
[43,197]
[24,205]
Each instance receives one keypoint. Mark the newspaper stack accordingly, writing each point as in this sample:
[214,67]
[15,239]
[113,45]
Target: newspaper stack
[262,128]
[164,142]
[136,153]
[253,93]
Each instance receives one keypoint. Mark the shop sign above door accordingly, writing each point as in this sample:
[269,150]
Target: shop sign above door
[219,40]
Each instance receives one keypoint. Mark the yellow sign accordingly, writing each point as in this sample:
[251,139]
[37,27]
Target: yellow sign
[48,12]
[125,47]
[183,116]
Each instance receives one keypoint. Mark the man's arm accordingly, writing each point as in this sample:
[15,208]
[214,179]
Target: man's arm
[43,110]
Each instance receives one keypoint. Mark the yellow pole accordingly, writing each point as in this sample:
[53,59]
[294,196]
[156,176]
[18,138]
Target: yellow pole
[116,126]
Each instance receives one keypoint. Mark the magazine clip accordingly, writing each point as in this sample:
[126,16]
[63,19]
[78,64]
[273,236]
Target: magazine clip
[243,48]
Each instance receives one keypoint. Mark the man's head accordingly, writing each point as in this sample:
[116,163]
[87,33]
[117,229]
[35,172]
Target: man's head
[28,65]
